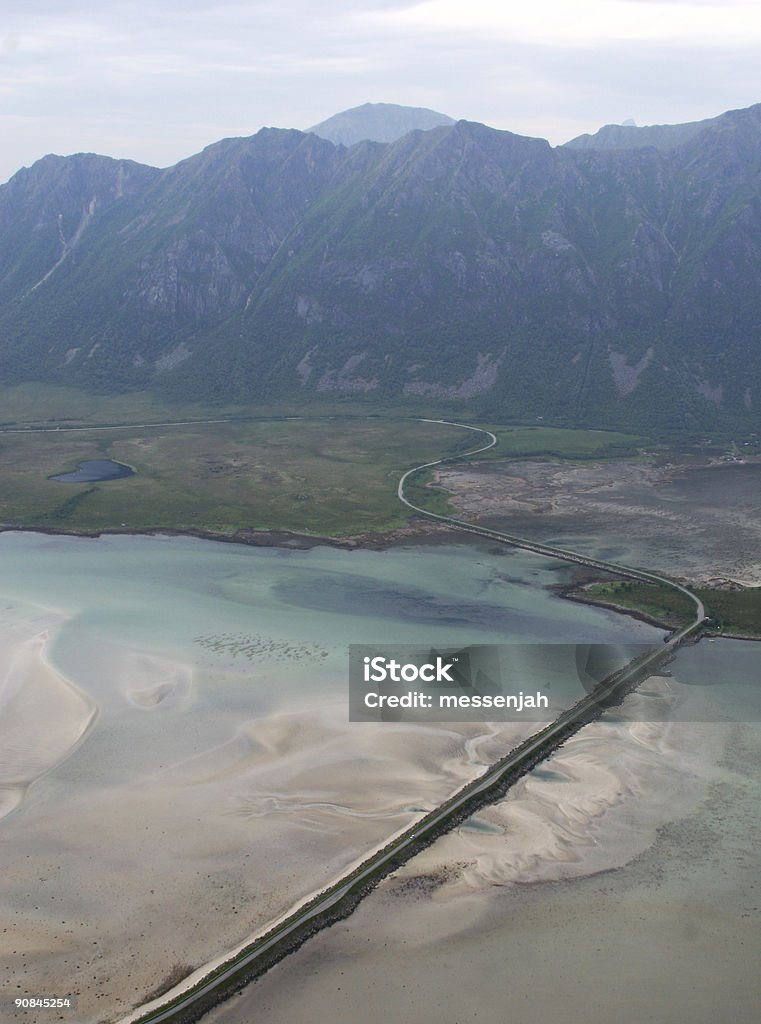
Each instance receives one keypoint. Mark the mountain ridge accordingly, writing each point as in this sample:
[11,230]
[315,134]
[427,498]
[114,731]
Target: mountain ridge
[459,265]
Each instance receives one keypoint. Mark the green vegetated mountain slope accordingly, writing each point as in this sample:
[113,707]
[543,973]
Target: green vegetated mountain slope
[462,266]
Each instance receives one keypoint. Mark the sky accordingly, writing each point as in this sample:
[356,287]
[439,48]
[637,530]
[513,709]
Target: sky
[156,83]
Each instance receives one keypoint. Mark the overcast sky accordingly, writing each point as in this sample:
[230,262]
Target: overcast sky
[130,79]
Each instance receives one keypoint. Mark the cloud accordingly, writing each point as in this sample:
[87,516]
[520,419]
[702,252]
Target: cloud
[582,23]
[158,82]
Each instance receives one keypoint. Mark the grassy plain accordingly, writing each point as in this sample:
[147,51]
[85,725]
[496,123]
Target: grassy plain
[734,611]
[729,611]
[662,604]
[316,476]
[326,468]
[525,442]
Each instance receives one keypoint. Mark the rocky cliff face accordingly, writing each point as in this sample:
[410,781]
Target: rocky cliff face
[46,210]
[460,264]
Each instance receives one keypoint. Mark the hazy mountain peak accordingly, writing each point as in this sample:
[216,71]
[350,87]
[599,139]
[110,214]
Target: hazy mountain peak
[629,135]
[377,122]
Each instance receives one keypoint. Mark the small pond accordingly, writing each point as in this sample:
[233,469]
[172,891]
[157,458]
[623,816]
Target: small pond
[95,470]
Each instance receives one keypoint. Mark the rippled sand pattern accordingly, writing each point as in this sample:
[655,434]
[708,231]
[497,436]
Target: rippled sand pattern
[620,881]
[182,745]
[42,715]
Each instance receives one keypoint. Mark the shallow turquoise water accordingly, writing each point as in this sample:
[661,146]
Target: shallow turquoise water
[241,633]
[168,593]
[238,634]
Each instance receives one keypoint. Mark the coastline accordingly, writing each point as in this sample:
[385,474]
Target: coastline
[575,591]
[418,531]
[572,592]
[378,541]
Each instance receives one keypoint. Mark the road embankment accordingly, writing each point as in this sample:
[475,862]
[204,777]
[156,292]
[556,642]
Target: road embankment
[186,1004]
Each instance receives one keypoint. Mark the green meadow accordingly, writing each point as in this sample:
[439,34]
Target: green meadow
[326,469]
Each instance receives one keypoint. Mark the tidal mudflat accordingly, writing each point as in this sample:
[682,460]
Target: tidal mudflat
[691,518]
[178,766]
[619,881]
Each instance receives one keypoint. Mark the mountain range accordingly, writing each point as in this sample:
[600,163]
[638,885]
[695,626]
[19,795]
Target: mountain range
[459,266]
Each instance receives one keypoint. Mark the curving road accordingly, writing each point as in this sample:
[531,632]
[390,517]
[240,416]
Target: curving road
[191,1004]
[532,545]
[115,426]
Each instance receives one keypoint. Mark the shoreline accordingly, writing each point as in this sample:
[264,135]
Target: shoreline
[571,592]
[249,537]
[417,531]
[574,591]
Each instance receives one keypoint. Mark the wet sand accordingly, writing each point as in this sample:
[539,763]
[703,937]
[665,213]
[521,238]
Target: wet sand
[618,882]
[43,714]
[220,781]
[129,879]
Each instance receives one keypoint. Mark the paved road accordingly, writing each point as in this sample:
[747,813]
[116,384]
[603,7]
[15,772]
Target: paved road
[532,545]
[429,826]
[115,426]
